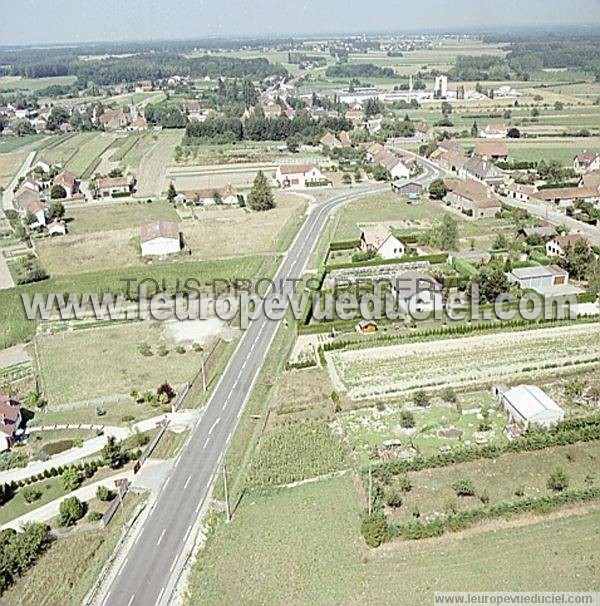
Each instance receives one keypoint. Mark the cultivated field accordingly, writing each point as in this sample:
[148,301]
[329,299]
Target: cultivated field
[153,164]
[461,361]
[9,165]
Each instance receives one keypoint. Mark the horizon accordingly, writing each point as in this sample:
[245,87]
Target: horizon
[268,20]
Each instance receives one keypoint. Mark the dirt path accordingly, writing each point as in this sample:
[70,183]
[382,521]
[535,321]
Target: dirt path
[6,280]
[13,355]
[154,164]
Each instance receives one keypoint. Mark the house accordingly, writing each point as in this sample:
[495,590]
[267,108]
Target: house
[539,277]
[68,181]
[272,110]
[357,117]
[112,119]
[565,197]
[590,179]
[228,195]
[36,208]
[382,241]
[111,186]
[494,131]
[160,238]
[330,140]
[422,132]
[557,246]
[42,165]
[483,170]
[586,161]
[518,191]
[345,139]
[528,405]
[450,145]
[32,184]
[392,164]
[57,228]
[24,196]
[407,188]
[416,292]
[492,150]
[472,198]
[10,419]
[374,123]
[545,232]
[298,175]
[451,160]
[475,257]
[373,149]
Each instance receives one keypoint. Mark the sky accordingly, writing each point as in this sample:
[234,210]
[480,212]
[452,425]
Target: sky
[64,21]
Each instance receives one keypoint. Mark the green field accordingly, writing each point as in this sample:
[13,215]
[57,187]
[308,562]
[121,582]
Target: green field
[8,83]
[309,537]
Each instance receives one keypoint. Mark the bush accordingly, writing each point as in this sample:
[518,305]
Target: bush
[70,510]
[104,494]
[374,528]
[71,479]
[31,493]
[94,516]
[449,395]
[558,480]
[421,398]
[180,349]
[407,419]
[404,483]
[393,498]
[464,487]
[144,349]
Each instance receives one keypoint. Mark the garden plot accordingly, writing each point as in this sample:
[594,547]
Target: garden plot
[461,361]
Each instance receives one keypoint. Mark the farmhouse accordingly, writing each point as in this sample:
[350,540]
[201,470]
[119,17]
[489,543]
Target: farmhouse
[539,277]
[494,131]
[591,179]
[373,149]
[518,191]
[586,161]
[381,240]
[471,197]
[68,181]
[37,208]
[10,419]
[345,139]
[449,159]
[160,238]
[416,292]
[392,164]
[543,231]
[492,150]
[298,175]
[450,145]
[109,186]
[484,170]
[527,405]
[42,165]
[556,247]
[24,196]
[227,195]
[565,197]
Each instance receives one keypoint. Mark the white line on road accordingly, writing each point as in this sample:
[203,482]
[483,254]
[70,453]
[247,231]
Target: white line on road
[106,598]
[122,566]
[206,443]
[174,562]
[213,426]
[162,534]
[131,600]
[160,595]
[187,482]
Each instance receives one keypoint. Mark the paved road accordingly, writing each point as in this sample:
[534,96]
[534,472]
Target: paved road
[147,575]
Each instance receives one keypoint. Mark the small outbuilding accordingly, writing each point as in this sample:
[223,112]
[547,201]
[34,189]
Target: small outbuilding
[528,405]
[160,238]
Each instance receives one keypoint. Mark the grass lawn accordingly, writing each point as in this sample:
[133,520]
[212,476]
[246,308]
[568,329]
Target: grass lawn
[117,216]
[305,536]
[432,488]
[67,571]
[308,536]
[387,208]
[90,364]
[34,84]
[170,444]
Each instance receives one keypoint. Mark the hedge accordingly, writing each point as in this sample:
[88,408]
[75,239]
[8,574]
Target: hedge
[464,268]
[435,258]
[344,245]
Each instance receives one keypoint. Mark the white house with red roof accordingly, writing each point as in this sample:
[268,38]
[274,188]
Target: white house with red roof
[10,419]
[298,175]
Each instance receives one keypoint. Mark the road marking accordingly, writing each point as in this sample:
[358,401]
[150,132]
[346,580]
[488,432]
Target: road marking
[168,480]
[206,443]
[162,534]
[187,482]
[160,595]
[213,426]
[122,566]
[187,534]
[173,564]
[131,600]
[106,598]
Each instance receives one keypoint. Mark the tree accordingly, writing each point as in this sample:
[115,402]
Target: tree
[293,144]
[104,494]
[445,235]
[513,133]
[558,480]
[71,479]
[346,179]
[171,193]
[217,197]
[464,487]
[57,209]
[58,192]
[31,493]
[577,259]
[474,130]
[421,398]
[113,453]
[491,281]
[438,189]
[374,528]
[380,173]
[260,196]
[70,510]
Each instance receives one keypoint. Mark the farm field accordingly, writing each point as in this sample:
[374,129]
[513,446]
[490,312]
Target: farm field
[33,84]
[9,165]
[153,164]
[101,245]
[67,571]
[309,536]
[461,361]
[499,479]
[90,364]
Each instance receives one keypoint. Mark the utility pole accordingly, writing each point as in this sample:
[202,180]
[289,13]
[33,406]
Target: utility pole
[370,490]
[227,507]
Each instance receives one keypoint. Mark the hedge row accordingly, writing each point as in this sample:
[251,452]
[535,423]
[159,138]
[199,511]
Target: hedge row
[455,522]
[434,259]
[585,430]
[344,245]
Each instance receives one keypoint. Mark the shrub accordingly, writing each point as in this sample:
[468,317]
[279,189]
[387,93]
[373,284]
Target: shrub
[71,479]
[31,493]
[449,395]
[180,349]
[104,494]
[421,398]
[374,528]
[558,480]
[162,351]
[407,419]
[393,498]
[144,349]
[70,510]
[520,491]
[464,487]
[404,483]
[94,516]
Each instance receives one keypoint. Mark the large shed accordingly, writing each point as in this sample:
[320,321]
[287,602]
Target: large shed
[527,405]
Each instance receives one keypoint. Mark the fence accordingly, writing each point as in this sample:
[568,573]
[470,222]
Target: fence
[110,512]
[151,446]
